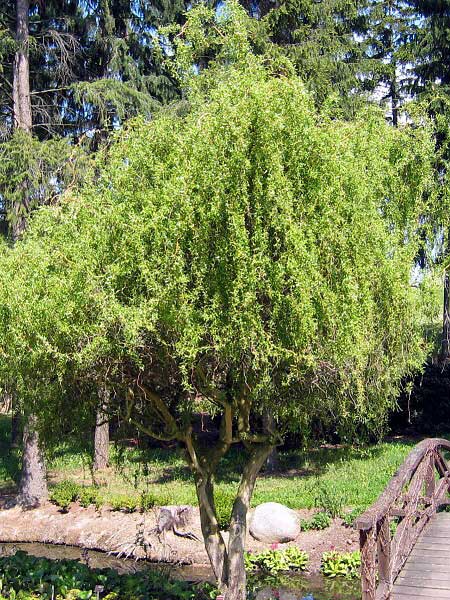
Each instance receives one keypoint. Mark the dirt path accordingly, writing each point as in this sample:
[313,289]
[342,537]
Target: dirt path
[117,532]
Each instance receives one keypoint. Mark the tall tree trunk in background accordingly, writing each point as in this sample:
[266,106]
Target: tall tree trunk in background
[21,108]
[445,344]
[33,483]
[101,436]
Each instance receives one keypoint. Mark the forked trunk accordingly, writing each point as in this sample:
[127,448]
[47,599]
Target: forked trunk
[214,543]
[228,563]
[33,484]
[101,436]
[237,580]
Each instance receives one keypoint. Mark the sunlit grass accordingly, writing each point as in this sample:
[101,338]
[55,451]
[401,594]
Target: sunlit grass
[356,476]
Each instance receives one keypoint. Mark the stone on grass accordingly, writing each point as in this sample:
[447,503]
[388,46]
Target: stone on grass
[274,523]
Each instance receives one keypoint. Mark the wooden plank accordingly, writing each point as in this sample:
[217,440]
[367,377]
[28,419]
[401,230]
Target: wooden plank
[408,597]
[419,567]
[427,553]
[429,576]
[402,591]
[433,560]
[424,582]
[439,548]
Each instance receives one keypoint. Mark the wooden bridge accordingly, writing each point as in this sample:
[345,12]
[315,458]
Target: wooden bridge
[404,538]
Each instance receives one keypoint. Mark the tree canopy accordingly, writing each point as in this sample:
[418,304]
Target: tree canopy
[250,253]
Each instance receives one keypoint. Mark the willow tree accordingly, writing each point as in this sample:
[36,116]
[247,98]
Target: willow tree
[249,255]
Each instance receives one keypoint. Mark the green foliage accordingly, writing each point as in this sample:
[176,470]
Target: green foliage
[341,564]
[64,493]
[252,254]
[275,561]
[280,266]
[88,495]
[348,518]
[393,526]
[330,500]
[123,502]
[320,520]
[223,500]
[148,500]
[26,577]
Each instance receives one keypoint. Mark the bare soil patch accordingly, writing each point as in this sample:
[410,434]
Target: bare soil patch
[133,534]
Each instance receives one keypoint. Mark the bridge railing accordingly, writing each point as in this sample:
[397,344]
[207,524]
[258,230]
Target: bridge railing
[419,487]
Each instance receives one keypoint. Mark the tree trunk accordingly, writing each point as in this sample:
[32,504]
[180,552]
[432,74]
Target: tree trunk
[214,543]
[101,436]
[228,563]
[21,107]
[445,345]
[237,580]
[33,483]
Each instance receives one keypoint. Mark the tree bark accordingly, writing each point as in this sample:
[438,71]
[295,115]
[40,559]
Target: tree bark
[101,435]
[214,543]
[237,580]
[33,483]
[228,562]
[21,107]
[445,343]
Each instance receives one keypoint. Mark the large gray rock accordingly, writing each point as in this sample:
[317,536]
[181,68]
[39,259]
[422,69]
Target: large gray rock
[272,522]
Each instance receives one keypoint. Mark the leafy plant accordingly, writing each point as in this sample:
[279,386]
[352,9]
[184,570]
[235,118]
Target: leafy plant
[89,495]
[275,561]
[329,500]
[25,577]
[64,493]
[393,526]
[320,520]
[348,518]
[147,501]
[224,504]
[341,564]
[124,503]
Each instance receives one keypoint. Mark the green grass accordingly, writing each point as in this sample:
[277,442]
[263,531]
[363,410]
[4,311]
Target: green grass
[353,476]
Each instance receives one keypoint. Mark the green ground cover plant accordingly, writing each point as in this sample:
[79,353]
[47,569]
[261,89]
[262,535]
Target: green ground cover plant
[275,561]
[26,577]
[341,564]
[320,520]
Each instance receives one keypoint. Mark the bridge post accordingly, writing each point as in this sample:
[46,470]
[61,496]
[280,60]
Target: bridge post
[384,555]
[368,544]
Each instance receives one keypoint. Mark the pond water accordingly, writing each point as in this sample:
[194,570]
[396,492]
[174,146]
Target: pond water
[281,587]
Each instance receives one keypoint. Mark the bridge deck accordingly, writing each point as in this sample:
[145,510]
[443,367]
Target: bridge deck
[426,574]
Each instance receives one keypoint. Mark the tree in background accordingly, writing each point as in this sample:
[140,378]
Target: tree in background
[250,255]
[72,73]
[431,46]
[321,39]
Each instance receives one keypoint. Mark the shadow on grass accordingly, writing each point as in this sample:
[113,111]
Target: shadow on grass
[292,463]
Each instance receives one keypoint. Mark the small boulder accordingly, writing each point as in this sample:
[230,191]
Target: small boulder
[272,522]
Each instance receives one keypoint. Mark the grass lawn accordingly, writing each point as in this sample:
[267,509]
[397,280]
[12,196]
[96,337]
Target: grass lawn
[350,477]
